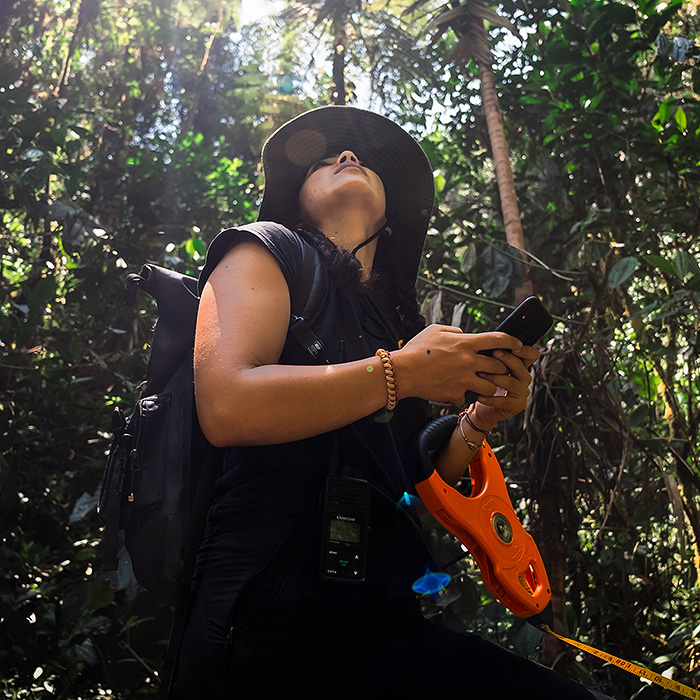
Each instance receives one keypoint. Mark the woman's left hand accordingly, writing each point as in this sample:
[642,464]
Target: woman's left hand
[510,398]
[513,388]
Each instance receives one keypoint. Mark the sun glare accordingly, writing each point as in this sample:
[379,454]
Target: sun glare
[253,10]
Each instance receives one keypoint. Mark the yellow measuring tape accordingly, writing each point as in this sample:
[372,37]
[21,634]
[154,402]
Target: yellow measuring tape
[640,671]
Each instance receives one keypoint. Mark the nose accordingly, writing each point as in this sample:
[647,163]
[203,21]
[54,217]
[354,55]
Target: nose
[347,155]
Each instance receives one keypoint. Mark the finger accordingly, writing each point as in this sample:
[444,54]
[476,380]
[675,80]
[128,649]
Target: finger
[503,404]
[486,364]
[510,405]
[483,386]
[449,329]
[514,364]
[528,354]
[516,384]
[494,340]
[506,385]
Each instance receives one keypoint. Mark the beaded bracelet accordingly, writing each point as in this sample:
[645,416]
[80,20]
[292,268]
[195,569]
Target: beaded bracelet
[391,386]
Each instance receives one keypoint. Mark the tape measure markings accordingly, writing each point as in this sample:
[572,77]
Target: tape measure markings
[640,671]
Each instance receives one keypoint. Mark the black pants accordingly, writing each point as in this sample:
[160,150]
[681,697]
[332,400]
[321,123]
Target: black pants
[268,630]
[431,660]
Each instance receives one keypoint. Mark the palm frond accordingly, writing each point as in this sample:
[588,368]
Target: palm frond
[413,7]
[447,18]
[472,45]
[478,9]
[459,18]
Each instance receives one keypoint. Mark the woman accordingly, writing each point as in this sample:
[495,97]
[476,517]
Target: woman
[263,619]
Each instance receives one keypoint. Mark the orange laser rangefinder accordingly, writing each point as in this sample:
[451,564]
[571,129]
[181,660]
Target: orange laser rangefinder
[486,524]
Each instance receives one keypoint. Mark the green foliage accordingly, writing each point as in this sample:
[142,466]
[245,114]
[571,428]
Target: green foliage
[603,129]
[131,132]
[116,149]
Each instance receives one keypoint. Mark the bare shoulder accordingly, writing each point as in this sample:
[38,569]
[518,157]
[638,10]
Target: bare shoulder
[247,262]
[244,310]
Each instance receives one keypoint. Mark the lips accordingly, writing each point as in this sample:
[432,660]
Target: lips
[349,164]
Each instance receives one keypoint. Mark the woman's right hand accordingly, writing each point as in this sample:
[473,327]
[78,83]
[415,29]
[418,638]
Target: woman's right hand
[442,362]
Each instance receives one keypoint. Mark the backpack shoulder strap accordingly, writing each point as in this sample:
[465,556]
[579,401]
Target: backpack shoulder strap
[304,273]
[306,296]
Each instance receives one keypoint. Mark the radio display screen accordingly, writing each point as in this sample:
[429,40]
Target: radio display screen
[345,531]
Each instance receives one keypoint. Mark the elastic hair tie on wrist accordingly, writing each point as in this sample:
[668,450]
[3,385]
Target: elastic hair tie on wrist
[464,414]
[391,386]
[471,444]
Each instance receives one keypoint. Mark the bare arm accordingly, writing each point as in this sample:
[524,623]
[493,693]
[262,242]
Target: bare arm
[245,398]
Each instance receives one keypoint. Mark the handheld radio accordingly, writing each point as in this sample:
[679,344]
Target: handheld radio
[345,530]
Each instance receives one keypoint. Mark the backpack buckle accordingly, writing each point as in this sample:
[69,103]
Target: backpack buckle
[303,333]
[130,287]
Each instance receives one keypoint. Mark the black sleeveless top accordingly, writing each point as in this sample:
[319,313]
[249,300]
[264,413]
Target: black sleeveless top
[286,480]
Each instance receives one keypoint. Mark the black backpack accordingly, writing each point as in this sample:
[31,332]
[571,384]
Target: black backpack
[161,470]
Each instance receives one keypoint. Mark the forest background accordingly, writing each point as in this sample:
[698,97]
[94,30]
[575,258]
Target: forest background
[130,131]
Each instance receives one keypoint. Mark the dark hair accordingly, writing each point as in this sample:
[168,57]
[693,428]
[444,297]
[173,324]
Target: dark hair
[346,272]
[343,267]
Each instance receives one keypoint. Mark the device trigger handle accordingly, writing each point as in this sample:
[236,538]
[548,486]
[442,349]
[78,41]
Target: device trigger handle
[486,524]
[434,435]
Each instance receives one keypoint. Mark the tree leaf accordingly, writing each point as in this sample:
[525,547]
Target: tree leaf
[527,638]
[693,264]
[661,264]
[468,259]
[497,271]
[431,308]
[664,111]
[681,119]
[622,271]
[100,594]
[83,506]
[682,263]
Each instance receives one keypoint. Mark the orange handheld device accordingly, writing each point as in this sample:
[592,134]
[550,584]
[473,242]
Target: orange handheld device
[485,522]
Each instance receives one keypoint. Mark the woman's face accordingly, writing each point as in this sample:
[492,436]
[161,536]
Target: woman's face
[340,182]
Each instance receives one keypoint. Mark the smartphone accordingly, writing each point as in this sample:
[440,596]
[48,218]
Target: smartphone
[528,323]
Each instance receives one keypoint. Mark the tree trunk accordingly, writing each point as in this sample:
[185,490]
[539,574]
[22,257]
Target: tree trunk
[504,172]
[202,76]
[340,40]
[554,554]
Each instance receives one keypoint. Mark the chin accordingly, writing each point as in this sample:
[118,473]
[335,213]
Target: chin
[345,204]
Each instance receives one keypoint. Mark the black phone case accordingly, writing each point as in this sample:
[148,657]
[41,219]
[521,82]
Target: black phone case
[528,323]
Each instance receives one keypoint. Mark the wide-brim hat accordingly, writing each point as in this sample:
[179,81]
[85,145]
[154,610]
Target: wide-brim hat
[379,143]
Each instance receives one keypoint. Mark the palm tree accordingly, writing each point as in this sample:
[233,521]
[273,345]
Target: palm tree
[467,21]
[335,16]
[364,34]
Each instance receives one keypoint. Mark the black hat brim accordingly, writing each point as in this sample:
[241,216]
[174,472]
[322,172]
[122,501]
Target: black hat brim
[379,143]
